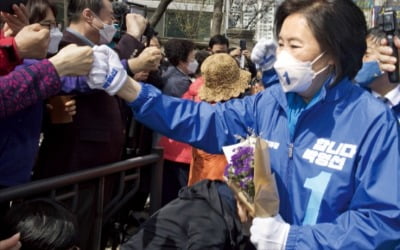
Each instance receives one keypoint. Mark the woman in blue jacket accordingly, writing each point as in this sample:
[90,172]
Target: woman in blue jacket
[333,147]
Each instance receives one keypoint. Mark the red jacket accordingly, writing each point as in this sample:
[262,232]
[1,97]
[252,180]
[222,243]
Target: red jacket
[9,57]
[193,91]
[24,87]
[178,151]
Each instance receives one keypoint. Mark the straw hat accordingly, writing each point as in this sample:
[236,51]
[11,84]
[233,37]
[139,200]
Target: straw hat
[223,79]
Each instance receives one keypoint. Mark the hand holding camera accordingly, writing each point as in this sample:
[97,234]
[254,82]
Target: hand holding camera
[387,22]
[387,62]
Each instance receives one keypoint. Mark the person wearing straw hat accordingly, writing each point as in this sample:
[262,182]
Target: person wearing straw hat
[223,80]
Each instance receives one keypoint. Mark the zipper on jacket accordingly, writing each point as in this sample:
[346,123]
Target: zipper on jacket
[292,138]
[290,151]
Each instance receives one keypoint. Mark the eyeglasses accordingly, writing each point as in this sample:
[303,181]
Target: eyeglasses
[49,24]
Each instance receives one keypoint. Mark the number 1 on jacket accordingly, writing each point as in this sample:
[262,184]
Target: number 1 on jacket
[318,185]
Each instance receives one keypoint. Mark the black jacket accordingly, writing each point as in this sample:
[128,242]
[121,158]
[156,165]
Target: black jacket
[203,217]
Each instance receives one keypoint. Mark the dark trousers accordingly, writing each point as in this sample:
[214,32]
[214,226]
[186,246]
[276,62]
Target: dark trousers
[175,176]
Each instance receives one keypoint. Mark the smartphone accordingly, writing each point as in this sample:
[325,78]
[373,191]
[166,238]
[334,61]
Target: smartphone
[132,8]
[6,5]
[242,44]
[138,9]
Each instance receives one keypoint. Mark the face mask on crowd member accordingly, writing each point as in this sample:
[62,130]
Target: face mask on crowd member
[192,66]
[107,31]
[295,75]
[55,35]
[55,39]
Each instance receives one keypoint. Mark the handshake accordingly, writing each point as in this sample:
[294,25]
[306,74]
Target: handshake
[109,74]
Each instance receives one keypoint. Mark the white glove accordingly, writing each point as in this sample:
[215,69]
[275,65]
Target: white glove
[107,72]
[264,54]
[98,72]
[269,233]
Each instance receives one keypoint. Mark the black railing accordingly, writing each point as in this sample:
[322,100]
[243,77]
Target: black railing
[66,187]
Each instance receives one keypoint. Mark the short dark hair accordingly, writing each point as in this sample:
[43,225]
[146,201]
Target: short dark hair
[75,8]
[339,27]
[37,9]
[218,39]
[43,224]
[177,50]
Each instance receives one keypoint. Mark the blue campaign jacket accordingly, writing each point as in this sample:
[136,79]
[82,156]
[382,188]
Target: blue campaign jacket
[338,177]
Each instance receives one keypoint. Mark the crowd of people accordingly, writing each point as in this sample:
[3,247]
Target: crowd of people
[319,94]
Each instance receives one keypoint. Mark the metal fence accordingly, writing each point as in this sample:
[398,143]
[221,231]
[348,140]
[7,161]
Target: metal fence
[66,187]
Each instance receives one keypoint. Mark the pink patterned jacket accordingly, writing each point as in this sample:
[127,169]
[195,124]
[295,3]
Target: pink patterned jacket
[26,86]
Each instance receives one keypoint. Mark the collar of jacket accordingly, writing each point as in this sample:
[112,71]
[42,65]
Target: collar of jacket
[327,94]
[396,110]
[81,37]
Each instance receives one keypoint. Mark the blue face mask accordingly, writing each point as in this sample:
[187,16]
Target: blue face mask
[368,73]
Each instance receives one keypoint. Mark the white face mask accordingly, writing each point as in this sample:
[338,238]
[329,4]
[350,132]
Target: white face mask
[295,75]
[192,67]
[55,39]
[106,33]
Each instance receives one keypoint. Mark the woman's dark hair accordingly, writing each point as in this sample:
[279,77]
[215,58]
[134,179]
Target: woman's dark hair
[37,10]
[177,50]
[75,8]
[43,225]
[339,27]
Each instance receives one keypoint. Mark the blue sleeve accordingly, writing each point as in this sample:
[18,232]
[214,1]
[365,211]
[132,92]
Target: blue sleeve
[269,78]
[373,218]
[78,84]
[205,126]
[368,73]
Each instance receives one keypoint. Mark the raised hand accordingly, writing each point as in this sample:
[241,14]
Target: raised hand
[107,72]
[135,25]
[32,41]
[73,60]
[264,54]
[148,60]
[15,22]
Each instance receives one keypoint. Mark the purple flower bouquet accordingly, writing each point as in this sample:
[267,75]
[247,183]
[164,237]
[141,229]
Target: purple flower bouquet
[240,170]
[249,175]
